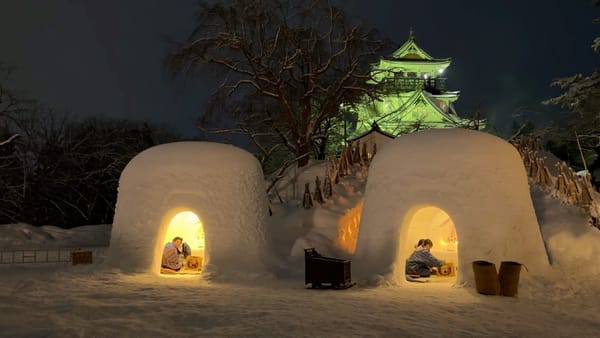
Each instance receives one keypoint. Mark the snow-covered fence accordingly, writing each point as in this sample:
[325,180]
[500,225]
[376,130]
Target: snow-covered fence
[307,199]
[337,167]
[35,256]
[568,186]
[43,257]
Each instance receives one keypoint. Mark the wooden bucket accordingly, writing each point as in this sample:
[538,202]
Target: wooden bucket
[486,278]
[509,278]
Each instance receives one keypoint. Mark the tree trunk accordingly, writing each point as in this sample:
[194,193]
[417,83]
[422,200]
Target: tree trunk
[303,153]
[321,149]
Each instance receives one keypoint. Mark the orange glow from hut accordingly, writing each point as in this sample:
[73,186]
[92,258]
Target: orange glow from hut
[348,229]
[188,226]
[434,223]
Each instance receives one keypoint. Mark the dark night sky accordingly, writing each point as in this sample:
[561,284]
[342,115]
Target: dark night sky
[104,57]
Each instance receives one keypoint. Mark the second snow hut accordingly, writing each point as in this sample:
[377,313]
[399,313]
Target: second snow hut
[466,190]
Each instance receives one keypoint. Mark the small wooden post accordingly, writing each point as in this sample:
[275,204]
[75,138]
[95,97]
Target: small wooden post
[318,194]
[307,202]
[327,187]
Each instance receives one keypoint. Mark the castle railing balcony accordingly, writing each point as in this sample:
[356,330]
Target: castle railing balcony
[401,84]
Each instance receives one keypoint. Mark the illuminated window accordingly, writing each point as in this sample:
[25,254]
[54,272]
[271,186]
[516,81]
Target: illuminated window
[348,229]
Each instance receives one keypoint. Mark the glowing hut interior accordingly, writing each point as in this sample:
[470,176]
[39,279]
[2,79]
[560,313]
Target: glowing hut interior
[187,225]
[426,221]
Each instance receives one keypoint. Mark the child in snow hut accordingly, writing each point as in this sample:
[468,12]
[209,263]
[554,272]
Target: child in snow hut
[170,256]
[421,261]
[419,244]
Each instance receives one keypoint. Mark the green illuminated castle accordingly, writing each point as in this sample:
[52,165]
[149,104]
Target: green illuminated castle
[415,95]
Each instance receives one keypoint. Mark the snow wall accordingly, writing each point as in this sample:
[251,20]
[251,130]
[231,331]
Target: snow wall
[478,179]
[222,184]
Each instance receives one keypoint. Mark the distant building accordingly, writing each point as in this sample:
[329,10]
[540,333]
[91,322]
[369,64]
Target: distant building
[415,95]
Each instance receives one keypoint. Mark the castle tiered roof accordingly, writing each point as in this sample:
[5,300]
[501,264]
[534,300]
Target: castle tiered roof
[415,95]
[410,51]
[409,60]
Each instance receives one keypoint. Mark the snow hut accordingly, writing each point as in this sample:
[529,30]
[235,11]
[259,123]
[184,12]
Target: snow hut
[210,194]
[466,190]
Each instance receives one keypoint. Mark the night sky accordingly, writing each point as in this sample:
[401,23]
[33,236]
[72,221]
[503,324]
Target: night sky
[93,58]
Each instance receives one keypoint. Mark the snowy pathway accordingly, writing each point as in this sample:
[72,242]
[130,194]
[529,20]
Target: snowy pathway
[60,304]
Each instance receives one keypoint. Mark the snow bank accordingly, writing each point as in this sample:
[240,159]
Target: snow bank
[28,237]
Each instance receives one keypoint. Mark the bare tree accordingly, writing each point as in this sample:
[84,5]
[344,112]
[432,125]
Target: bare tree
[77,168]
[251,118]
[303,58]
[11,106]
[14,110]
[55,170]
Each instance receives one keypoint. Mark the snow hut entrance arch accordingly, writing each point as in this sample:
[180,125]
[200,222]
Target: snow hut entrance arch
[476,178]
[428,221]
[187,225]
[222,185]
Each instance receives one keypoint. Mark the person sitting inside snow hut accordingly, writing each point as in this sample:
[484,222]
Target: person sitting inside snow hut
[421,262]
[170,257]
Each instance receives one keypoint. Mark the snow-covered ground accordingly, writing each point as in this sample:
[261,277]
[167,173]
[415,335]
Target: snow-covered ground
[60,300]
